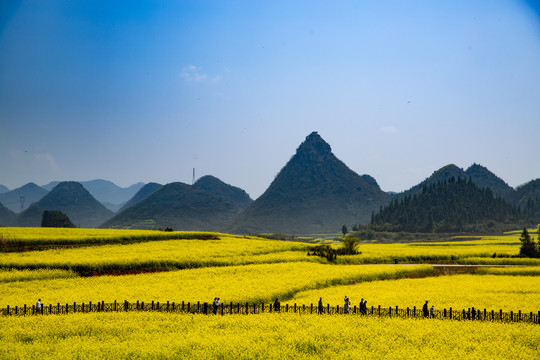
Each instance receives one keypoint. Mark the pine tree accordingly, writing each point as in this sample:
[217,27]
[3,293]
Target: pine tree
[528,246]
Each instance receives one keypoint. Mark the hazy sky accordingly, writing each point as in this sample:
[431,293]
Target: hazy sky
[148,90]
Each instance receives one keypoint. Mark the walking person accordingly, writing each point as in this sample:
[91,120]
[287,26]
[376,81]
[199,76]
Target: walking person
[38,306]
[432,311]
[473,313]
[425,309]
[215,305]
[363,307]
[347,306]
[321,309]
[277,305]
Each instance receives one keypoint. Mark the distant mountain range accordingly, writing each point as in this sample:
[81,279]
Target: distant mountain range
[314,193]
[21,198]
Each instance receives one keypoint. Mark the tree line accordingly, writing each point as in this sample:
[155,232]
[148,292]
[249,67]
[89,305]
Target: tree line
[454,205]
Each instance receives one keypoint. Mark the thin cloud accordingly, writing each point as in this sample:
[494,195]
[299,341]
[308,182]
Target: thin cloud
[195,74]
[47,161]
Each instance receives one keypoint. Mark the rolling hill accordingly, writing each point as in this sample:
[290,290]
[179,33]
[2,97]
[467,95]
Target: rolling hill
[483,178]
[228,192]
[142,194]
[106,192]
[178,206]
[72,199]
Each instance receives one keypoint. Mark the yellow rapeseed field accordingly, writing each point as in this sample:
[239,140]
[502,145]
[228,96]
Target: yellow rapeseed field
[266,336]
[251,283]
[247,269]
[491,292]
[229,250]
[15,275]
[74,236]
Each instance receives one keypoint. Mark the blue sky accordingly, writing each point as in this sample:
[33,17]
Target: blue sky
[148,90]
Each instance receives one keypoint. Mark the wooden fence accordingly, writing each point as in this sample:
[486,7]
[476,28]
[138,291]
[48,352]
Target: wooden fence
[247,308]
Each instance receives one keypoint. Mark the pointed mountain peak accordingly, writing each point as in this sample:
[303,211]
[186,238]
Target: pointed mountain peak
[315,193]
[314,147]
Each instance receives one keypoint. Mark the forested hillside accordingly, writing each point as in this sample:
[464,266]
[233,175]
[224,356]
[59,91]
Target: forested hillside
[455,205]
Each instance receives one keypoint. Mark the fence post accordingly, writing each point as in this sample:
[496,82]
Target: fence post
[294,307]
[90,306]
[103,305]
[247,308]
[205,307]
[414,311]
[198,306]
[379,310]
[390,311]
[182,305]
[67,308]
[222,307]
[33,309]
[158,308]
[539,317]
[312,309]
[7,313]
[82,307]
[519,315]
[485,314]
[337,309]
[168,305]
[115,305]
[328,309]
[25,309]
